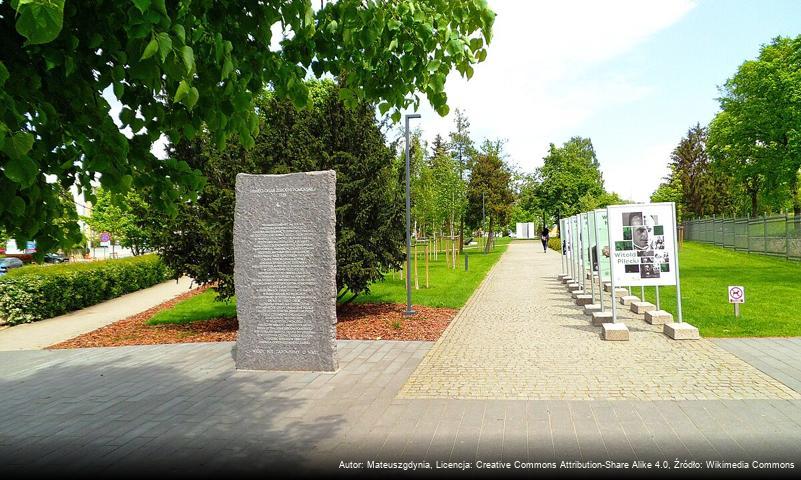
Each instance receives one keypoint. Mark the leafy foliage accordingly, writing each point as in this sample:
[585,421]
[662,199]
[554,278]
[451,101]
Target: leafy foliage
[327,135]
[123,216]
[756,138]
[490,188]
[570,179]
[181,65]
[34,293]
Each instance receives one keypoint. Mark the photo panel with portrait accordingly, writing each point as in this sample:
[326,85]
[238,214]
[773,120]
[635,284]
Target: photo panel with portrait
[632,268]
[648,270]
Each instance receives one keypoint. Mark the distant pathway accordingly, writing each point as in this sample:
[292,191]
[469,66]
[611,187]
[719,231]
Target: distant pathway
[521,337]
[42,334]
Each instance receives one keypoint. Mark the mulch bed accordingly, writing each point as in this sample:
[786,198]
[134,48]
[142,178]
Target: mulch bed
[355,322]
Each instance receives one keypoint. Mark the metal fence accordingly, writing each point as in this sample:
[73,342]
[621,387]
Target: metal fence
[777,235]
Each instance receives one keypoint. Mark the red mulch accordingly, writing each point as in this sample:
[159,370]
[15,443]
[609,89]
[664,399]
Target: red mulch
[386,322]
[355,322]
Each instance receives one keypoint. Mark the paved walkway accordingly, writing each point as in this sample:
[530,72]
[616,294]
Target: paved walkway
[522,337]
[41,334]
[185,410]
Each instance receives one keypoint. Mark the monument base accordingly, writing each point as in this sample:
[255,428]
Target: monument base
[658,317]
[592,307]
[627,299]
[583,299]
[599,318]
[615,331]
[642,307]
[681,331]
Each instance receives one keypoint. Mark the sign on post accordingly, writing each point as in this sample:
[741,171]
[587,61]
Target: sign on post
[105,239]
[736,296]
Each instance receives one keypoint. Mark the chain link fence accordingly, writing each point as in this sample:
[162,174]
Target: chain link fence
[777,235]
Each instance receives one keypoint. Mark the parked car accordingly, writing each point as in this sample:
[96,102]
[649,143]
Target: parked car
[55,258]
[8,263]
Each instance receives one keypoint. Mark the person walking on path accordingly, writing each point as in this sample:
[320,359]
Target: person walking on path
[546,235]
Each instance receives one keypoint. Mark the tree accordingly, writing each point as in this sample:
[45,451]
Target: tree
[125,217]
[327,135]
[570,178]
[182,66]
[490,187]
[756,137]
[704,191]
[462,150]
[671,191]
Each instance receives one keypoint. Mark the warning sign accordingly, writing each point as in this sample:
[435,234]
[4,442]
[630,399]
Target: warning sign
[736,294]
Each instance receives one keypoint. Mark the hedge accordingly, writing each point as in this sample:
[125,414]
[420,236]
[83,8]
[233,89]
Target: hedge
[555,243]
[34,293]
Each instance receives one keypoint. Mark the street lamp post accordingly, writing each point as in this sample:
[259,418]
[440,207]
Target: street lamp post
[409,312]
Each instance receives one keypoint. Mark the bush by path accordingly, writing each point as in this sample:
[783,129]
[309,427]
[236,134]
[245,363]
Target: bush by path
[38,292]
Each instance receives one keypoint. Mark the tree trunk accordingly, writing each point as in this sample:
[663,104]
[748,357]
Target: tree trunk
[490,235]
[461,234]
[428,254]
[416,277]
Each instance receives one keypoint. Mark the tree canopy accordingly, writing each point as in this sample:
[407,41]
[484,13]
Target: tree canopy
[326,136]
[181,66]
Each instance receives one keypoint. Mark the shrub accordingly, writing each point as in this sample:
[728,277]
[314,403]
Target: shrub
[555,243]
[34,293]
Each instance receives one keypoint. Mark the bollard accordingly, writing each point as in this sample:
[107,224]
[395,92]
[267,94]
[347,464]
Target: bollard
[466,263]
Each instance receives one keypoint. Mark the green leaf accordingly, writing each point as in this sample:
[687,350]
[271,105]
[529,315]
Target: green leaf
[192,97]
[180,32]
[119,89]
[188,57]
[332,27]
[151,49]
[165,44]
[3,74]
[181,92]
[142,5]
[160,6]
[227,68]
[383,107]
[18,145]
[396,116]
[17,206]
[433,65]
[23,170]
[40,21]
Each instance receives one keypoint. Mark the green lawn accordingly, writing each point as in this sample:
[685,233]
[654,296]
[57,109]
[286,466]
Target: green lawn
[200,307]
[772,292]
[447,288]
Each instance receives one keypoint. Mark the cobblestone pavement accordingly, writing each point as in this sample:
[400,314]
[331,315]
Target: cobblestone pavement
[521,337]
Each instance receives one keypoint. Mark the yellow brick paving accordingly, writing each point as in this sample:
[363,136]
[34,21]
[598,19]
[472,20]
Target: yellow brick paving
[521,337]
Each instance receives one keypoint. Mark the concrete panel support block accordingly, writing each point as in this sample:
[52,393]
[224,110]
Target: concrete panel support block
[599,318]
[582,300]
[627,299]
[615,331]
[681,331]
[642,307]
[658,317]
[592,307]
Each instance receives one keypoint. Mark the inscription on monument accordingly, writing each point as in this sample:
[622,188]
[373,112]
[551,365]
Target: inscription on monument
[285,271]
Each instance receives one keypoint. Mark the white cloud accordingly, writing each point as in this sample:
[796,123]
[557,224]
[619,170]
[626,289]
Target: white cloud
[540,79]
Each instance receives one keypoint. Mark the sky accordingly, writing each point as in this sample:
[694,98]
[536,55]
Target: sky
[633,76]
